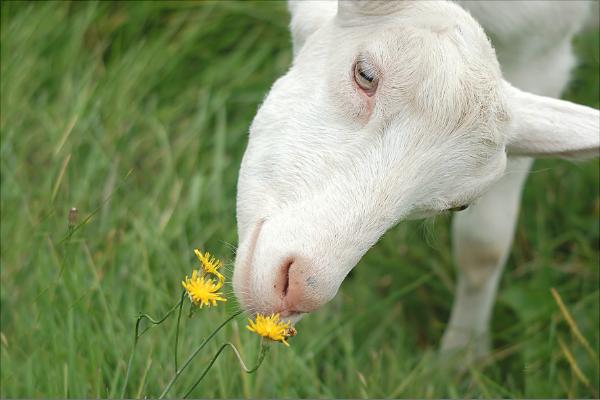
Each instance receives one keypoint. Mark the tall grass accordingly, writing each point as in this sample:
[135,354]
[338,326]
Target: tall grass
[136,114]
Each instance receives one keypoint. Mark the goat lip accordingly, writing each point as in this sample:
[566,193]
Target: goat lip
[287,313]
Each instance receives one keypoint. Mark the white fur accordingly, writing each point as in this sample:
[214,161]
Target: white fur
[328,169]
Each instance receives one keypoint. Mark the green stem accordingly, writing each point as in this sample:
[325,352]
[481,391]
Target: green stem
[261,357]
[138,335]
[177,329]
[195,353]
[152,320]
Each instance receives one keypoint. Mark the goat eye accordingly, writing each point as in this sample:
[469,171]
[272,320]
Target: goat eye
[365,77]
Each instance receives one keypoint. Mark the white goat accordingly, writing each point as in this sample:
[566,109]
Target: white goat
[397,110]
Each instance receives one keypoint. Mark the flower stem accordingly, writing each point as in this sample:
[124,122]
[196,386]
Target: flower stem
[138,334]
[261,357]
[177,328]
[194,354]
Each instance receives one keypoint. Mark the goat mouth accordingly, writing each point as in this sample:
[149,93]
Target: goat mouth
[292,316]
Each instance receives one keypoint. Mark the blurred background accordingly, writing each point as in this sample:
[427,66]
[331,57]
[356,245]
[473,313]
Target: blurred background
[137,114]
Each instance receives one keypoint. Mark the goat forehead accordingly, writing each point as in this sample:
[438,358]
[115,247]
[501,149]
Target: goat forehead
[446,78]
[442,78]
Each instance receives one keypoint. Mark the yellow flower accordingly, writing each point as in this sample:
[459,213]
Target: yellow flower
[210,264]
[203,291]
[271,327]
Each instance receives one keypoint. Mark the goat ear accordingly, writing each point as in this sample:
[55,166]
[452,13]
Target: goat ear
[307,17]
[348,9]
[546,127]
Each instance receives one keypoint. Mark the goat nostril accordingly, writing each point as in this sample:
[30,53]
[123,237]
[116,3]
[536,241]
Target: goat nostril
[285,276]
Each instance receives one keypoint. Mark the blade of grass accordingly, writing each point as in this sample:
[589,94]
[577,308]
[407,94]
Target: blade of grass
[573,364]
[574,329]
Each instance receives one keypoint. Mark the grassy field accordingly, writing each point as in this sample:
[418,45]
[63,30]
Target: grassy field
[137,115]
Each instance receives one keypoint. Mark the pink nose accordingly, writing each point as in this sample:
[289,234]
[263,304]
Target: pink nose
[295,287]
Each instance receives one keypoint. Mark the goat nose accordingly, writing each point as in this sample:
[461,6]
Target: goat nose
[293,286]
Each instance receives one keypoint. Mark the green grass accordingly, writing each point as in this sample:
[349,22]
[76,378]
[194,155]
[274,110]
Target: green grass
[137,115]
